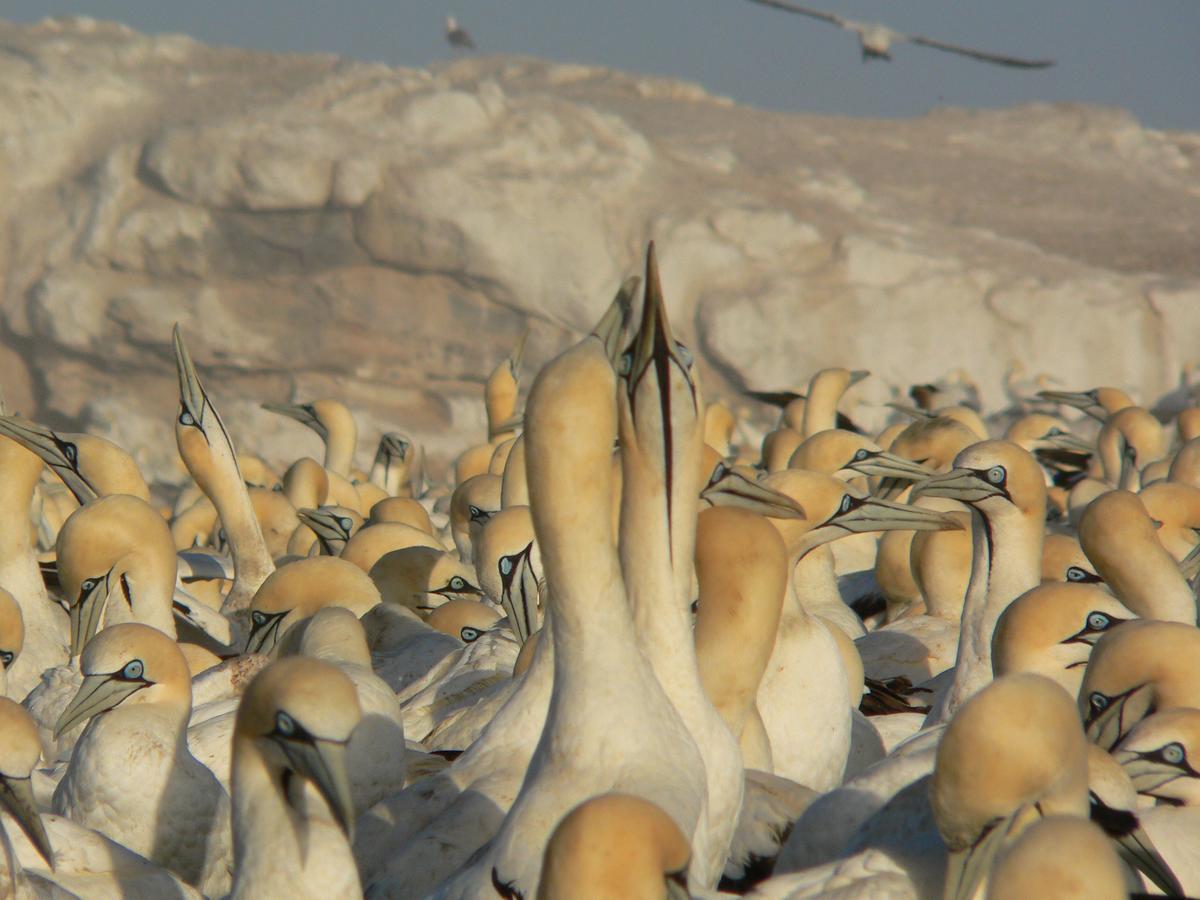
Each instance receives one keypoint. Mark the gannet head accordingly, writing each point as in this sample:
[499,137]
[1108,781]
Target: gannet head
[474,502]
[1063,559]
[1060,856]
[335,634]
[299,714]
[836,508]
[1038,431]
[306,483]
[204,443]
[88,465]
[931,442]
[1012,754]
[20,750]
[466,620]
[129,664]
[12,629]
[294,592]
[1161,756]
[118,546]
[509,568]
[846,454]
[745,488]
[615,845]
[501,391]
[333,525]
[1051,630]
[423,578]
[322,416]
[997,478]
[1142,667]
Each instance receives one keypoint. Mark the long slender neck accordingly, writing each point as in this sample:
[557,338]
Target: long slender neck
[1005,562]
[816,580]
[820,410]
[251,561]
[339,449]
[1148,581]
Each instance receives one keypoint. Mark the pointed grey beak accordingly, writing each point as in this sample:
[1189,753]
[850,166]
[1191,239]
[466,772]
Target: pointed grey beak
[60,455]
[856,376]
[86,613]
[1067,441]
[1135,846]
[301,412]
[1104,723]
[191,392]
[883,464]
[964,485]
[729,487]
[330,528]
[1081,400]
[97,694]
[612,324]
[517,355]
[323,762]
[858,515]
[16,796]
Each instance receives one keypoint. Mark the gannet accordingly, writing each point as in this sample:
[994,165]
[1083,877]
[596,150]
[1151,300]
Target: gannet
[168,807]
[292,804]
[1185,464]
[372,543]
[1099,403]
[399,465]
[404,510]
[306,483]
[1063,559]
[46,627]
[661,433]
[1141,667]
[457,36]
[1003,486]
[296,591]
[335,425]
[1013,753]
[1121,541]
[610,727]
[1175,506]
[500,392]
[208,453]
[1050,630]
[20,750]
[514,486]
[88,465]
[473,503]
[423,578]
[615,845]
[332,525]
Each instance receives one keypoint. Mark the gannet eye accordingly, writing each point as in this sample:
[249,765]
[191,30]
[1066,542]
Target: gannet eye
[1054,432]
[6,657]
[684,354]
[457,584]
[258,618]
[88,585]
[625,364]
[847,502]
[996,475]
[185,418]
[1098,701]
[346,524]
[506,565]
[284,724]
[1173,754]
[861,454]
[133,670]
[1098,621]
[1074,573]
[719,472]
[469,634]
[71,452]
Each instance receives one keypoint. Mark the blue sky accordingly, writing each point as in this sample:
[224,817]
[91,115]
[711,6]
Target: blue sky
[1138,55]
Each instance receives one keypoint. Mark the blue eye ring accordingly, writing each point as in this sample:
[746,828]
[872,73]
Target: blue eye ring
[134,669]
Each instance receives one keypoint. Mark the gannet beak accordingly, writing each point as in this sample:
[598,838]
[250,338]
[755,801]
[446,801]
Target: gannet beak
[59,455]
[1082,400]
[302,413]
[518,354]
[967,867]
[1104,723]
[264,631]
[1135,846]
[196,411]
[729,487]
[323,762]
[911,411]
[856,515]
[1070,443]
[612,323]
[86,612]
[97,694]
[882,464]
[1190,564]
[856,376]
[519,593]
[16,796]
[964,485]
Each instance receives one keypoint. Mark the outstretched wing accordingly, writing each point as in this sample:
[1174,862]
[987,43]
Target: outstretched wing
[805,11]
[996,58]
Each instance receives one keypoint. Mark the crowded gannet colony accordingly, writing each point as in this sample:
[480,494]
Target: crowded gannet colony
[614,653]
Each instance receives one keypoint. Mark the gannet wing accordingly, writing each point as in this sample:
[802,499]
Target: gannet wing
[981,55]
[806,11]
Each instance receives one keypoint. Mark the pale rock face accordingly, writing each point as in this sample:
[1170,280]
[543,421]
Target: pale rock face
[322,227]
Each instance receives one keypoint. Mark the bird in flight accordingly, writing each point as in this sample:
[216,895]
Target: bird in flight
[456,35]
[876,40]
